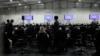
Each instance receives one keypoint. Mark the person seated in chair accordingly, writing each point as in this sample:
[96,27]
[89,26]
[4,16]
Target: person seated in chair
[83,31]
[97,42]
[60,39]
[74,33]
[42,40]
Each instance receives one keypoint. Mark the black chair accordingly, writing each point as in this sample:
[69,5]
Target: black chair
[81,51]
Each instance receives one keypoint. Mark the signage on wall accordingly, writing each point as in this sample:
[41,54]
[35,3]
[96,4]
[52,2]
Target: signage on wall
[68,17]
[27,17]
[48,17]
[94,16]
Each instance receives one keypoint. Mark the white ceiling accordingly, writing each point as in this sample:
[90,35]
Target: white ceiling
[84,3]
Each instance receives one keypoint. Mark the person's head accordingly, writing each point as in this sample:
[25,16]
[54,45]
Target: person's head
[42,30]
[37,24]
[8,21]
[55,18]
[12,20]
[30,25]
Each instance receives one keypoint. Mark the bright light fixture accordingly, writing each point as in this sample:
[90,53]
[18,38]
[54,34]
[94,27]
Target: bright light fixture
[25,6]
[19,4]
[77,3]
[79,0]
[39,1]
[95,4]
[11,0]
[9,8]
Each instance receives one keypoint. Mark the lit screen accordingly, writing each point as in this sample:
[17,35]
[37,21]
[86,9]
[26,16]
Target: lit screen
[94,16]
[68,17]
[28,17]
[48,17]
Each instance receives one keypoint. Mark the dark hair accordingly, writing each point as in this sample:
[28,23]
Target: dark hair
[8,20]
[12,20]
[55,17]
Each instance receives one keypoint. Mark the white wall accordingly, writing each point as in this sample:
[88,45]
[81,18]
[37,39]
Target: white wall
[81,15]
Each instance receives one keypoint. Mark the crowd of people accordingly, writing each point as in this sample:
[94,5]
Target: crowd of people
[56,37]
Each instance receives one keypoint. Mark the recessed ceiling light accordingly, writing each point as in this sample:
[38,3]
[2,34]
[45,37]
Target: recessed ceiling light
[79,0]
[9,8]
[95,4]
[19,4]
[39,1]
[11,0]
[77,3]
[25,6]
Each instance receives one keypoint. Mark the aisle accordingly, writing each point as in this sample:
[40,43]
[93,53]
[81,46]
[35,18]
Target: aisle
[33,51]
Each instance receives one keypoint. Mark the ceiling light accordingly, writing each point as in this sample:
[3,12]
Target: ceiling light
[8,8]
[11,0]
[19,4]
[79,0]
[77,3]
[95,4]
[39,1]
[25,6]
